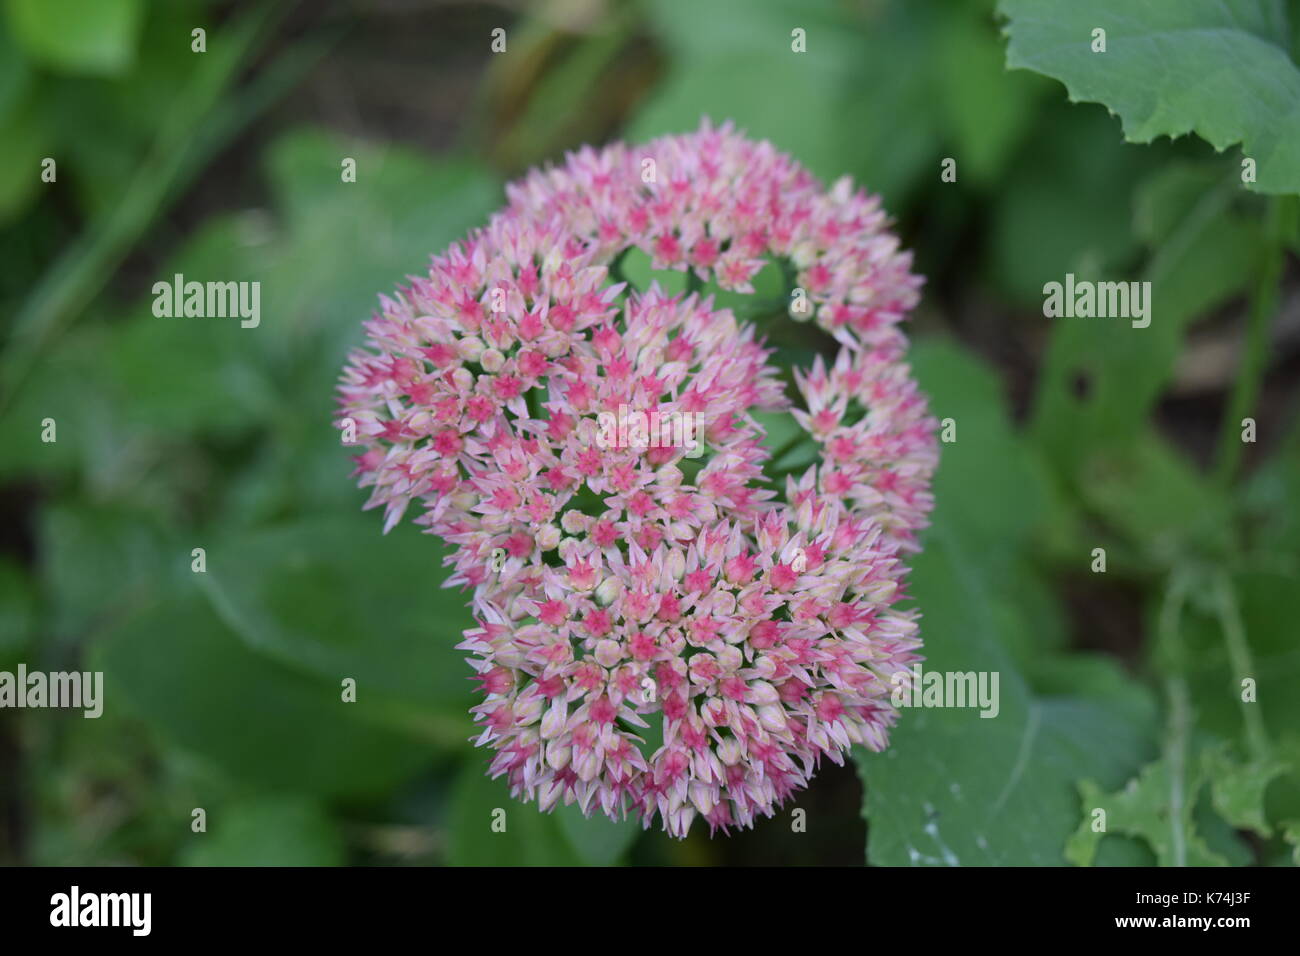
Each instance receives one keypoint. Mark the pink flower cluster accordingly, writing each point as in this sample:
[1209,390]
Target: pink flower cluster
[659,633]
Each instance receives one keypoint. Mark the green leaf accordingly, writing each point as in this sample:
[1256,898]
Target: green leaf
[1029,248]
[104,130]
[598,840]
[80,543]
[991,488]
[987,482]
[987,109]
[1237,789]
[335,598]
[268,831]
[1101,377]
[178,374]
[488,827]
[68,375]
[1156,807]
[958,789]
[1148,493]
[1216,69]
[79,36]
[1291,831]
[1269,603]
[180,669]
[1268,501]
[341,244]
[955,788]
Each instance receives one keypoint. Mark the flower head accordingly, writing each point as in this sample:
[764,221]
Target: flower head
[705,679]
[659,633]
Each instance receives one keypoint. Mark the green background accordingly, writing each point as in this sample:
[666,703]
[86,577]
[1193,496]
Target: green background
[223,688]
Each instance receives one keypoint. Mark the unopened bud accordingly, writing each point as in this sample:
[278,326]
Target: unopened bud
[558,754]
[669,476]
[608,653]
[729,751]
[556,717]
[676,564]
[548,537]
[609,589]
[463,379]
[772,716]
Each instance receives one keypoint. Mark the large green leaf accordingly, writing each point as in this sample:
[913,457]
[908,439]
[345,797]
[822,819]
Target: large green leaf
[100,563]
[181,669]
[1220,70]
[335,598]
[955,788]
[991,488]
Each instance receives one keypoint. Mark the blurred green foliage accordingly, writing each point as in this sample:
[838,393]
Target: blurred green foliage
[175,435]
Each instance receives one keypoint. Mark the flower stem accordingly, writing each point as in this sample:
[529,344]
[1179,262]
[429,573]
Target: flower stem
[1170,646]
[1234,637]
[1263,306]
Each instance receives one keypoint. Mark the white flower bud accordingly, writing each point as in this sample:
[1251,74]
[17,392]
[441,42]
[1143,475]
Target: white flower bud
[880,592]
[463,379]
[568,547]
[772,716]
[527,713]
[608,590]
[588,766]
[730,751]
[548,537]
[575,522]
[676,564]
[492,360]
[608,653]
[669,476]
[804,254]
[557,715]
[558,754]
[702,796]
